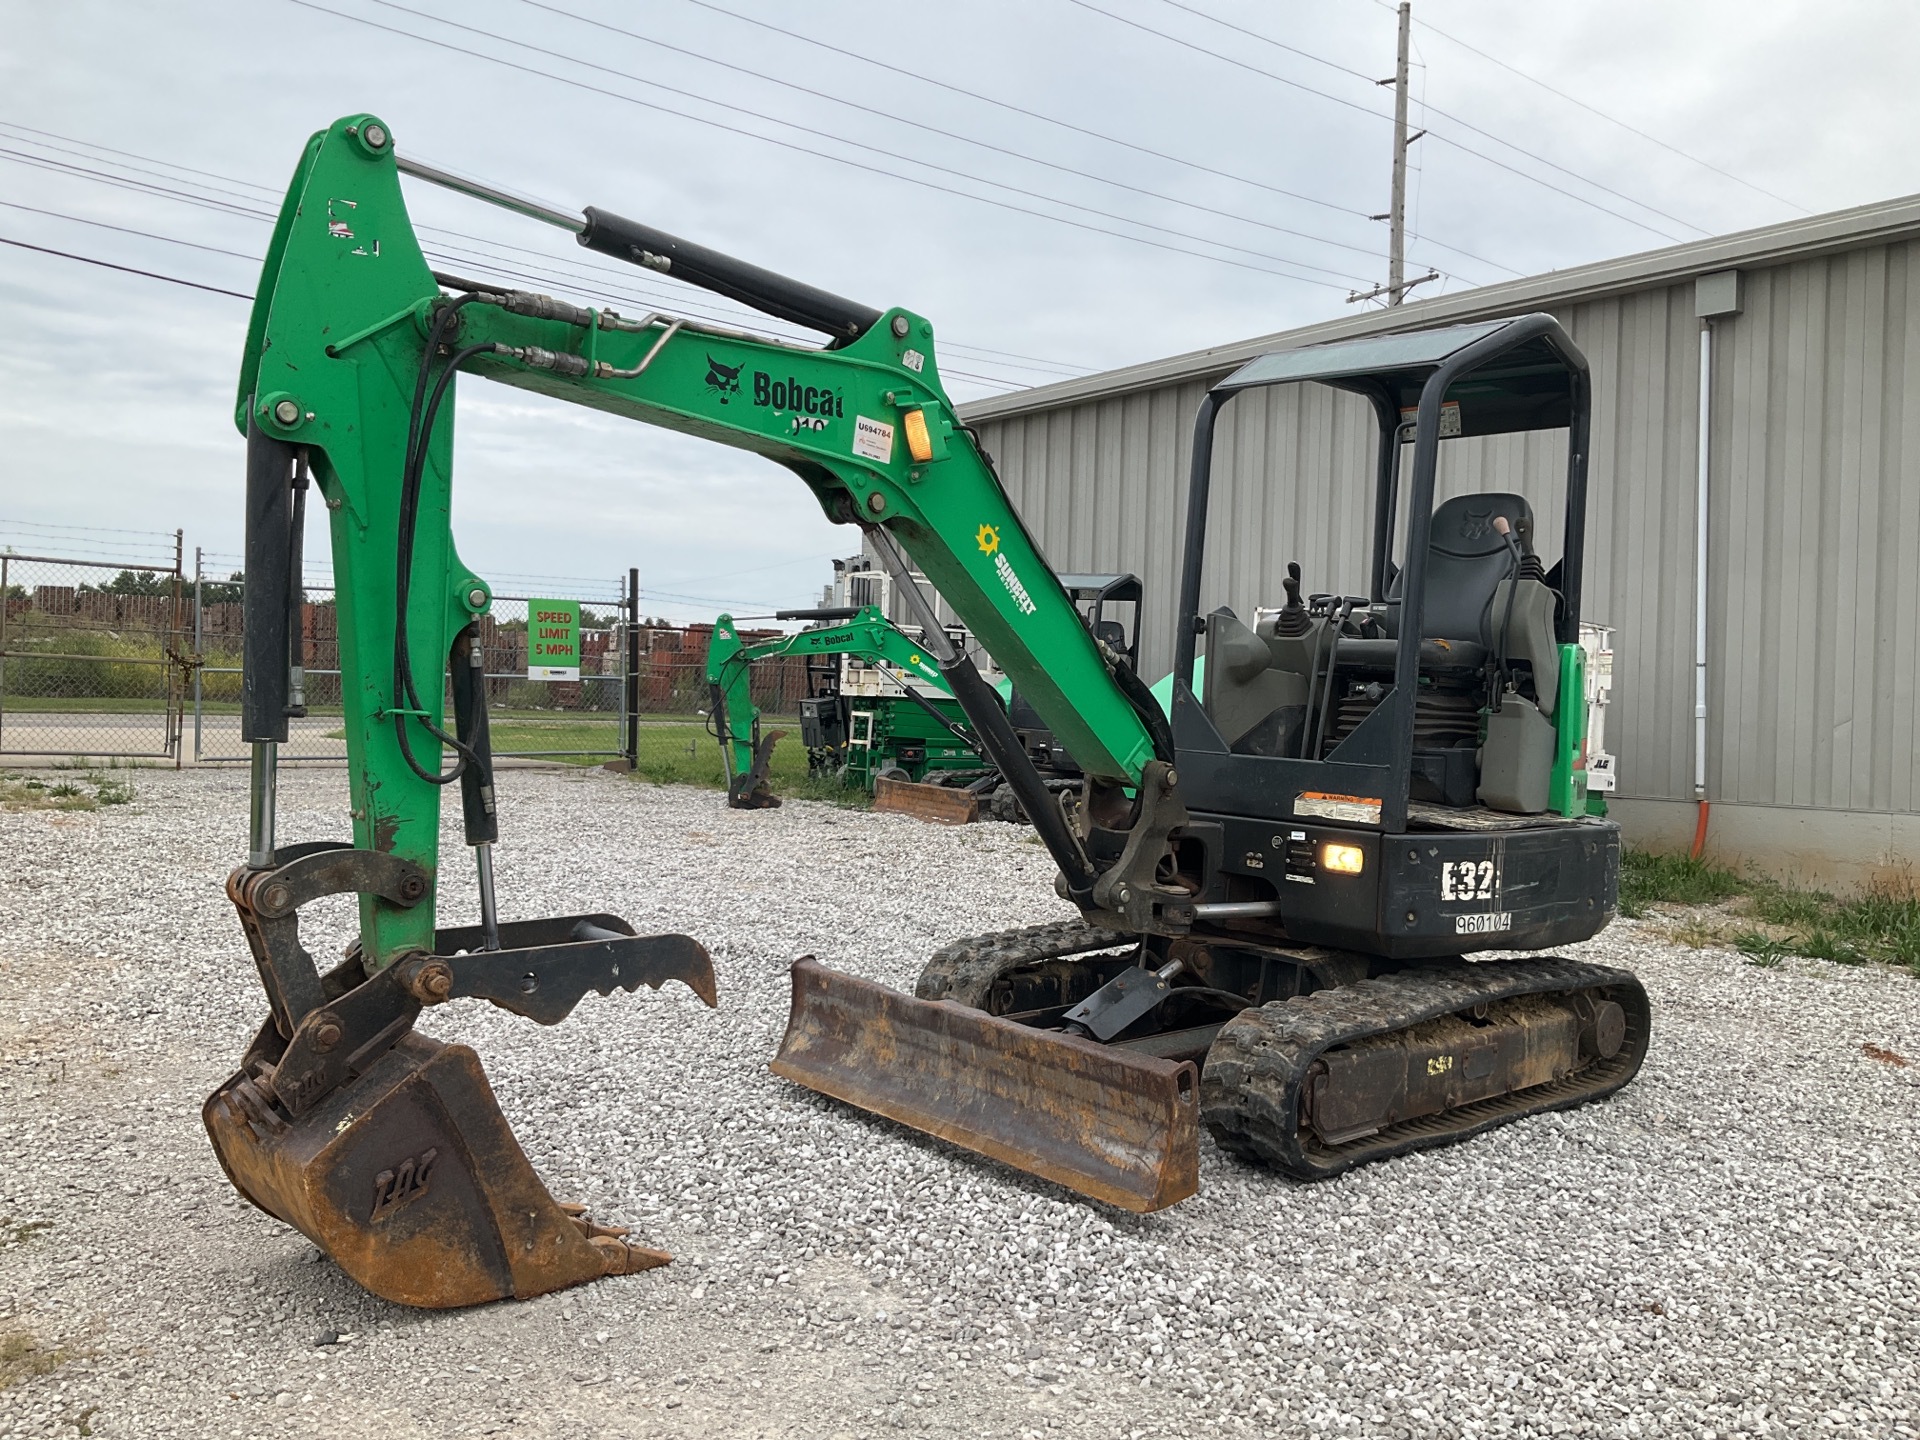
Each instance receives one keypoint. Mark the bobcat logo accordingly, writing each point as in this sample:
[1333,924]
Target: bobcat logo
[1476,525]
[723,380]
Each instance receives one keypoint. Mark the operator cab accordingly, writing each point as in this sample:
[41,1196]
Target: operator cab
[1440,685]
[1431,719]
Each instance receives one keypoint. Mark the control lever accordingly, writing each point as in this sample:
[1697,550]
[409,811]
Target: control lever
[1504,530]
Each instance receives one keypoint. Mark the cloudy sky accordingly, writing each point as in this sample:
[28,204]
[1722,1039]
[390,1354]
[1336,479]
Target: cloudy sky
[1063,186]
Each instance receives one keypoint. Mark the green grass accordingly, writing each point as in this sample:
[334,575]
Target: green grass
[686,754]
[1878,925]
[1647,879]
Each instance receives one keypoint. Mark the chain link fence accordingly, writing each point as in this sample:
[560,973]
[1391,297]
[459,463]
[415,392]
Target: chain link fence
[568,720]
[95,660]
[141,658]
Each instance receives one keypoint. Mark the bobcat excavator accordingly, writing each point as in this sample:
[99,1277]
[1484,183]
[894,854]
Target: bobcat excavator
[866,634]
[1279,881]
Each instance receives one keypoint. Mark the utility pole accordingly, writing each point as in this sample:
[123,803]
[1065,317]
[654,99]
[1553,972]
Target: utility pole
[1397,210]
[1397,285]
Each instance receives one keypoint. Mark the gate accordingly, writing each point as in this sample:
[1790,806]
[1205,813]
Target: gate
[93,657]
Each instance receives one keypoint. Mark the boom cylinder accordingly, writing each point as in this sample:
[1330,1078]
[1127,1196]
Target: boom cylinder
[269,581]
[764,290]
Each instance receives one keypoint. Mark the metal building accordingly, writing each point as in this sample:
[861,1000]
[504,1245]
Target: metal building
[1809,475]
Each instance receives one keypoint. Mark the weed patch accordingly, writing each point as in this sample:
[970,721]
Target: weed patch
[1879,925]
[18,1232]
[77,788]
[1647,879]
[23,1357]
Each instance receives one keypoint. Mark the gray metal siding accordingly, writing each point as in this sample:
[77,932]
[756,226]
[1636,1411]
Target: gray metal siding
[1817,536]
[1814,616]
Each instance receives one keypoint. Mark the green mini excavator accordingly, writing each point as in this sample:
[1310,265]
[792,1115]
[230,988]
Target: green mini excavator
[1278,882]
[843,734]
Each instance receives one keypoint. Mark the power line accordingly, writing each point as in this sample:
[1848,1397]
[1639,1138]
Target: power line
[1443,114]
[891,154]
[127,230]
[483,251]
[1610,119]
[802,149]
[126,183]
[127,269]
[1367,110]
[172,165]
[993,380]
[919,78]
[603,281]
[894,118]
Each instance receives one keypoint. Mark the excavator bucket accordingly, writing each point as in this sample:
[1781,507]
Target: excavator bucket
[1101,1120]
[754,789]
[388,1149]
[937,804]
[411,1181]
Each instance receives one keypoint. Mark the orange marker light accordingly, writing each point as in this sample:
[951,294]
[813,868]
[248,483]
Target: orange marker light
[1343,859]
[919,442]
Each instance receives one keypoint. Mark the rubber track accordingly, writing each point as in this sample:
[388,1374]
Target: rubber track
[1250,1086]
[966,969]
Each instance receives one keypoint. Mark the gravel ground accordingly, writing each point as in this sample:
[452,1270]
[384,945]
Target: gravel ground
[1730,1247]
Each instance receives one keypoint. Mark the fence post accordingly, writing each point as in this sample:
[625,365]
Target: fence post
[176,627]
[199,606]
[5,593]
[630,690]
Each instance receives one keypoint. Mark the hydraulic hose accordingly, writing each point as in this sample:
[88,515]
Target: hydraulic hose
[426,409]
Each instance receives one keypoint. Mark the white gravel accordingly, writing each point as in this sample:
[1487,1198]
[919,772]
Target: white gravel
[1730,1247]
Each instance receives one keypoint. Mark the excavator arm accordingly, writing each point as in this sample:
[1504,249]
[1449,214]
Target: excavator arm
[744,752]
[351,353]
[385,1147]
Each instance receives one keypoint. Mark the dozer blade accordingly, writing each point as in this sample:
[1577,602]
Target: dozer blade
[1104,1121]
[410,1179]
[937,804]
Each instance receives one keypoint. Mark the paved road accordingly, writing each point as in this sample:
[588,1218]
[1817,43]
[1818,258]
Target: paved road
[51,733]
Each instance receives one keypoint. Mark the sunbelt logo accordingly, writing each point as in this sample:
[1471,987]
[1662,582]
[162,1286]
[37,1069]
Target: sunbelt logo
[988,539]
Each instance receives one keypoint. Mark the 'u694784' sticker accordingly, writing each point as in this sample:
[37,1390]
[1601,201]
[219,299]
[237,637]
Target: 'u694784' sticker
[1488,923]
[872,439]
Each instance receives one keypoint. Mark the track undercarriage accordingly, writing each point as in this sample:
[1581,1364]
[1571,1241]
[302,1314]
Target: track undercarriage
[1316,1060]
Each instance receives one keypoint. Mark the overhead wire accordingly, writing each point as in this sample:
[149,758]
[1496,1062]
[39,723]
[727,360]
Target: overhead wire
[795,146]
[921,78]
[895,118]
[1631,129]
[532,274]
[125,269]
[1251,68]
[129,230]
[1448,115]
[572,271]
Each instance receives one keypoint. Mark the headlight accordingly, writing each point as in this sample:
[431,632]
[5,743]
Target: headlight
[1342,859]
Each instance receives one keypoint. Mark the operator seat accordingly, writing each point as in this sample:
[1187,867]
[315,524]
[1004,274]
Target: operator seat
[1466,562]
